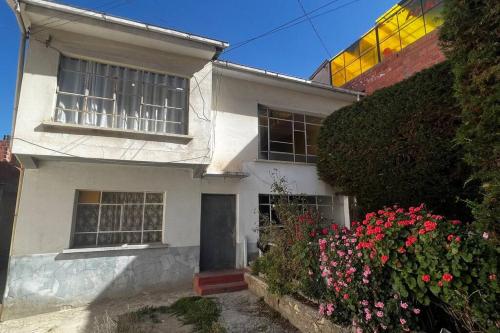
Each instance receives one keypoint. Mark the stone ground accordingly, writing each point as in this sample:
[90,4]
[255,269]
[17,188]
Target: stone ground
[241,312]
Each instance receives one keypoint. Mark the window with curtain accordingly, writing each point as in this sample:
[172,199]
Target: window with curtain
[287,136]
[102,95]
[116,218]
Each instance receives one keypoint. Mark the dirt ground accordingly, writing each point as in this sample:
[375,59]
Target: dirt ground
[241,312]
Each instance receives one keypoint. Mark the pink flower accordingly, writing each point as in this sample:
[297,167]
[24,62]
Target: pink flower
[329,309]
[346,296]
[486,235]
[321,309]
[402,321]
[364,302]
[404,305]
[416,311]
[380,314]
[379,305]
[368,315]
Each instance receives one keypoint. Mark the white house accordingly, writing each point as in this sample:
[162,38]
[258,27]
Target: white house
[145,158]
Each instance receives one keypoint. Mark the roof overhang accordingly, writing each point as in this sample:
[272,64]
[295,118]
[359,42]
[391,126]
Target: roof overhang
[41,16]
[237,71]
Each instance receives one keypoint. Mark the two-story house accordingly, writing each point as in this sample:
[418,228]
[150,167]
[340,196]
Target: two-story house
[145,159]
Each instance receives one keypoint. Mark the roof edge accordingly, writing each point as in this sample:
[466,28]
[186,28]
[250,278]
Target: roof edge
[283,77]
[124,21]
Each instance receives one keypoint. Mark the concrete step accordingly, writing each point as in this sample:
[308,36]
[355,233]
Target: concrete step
[227,276]
[220,288]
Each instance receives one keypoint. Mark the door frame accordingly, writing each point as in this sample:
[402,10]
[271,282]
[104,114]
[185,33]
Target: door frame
[236,221]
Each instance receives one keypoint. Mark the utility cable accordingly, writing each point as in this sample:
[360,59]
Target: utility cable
[315,30]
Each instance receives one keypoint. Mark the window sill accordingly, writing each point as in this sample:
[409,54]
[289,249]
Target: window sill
[285,162]
[56,127]
[115,248]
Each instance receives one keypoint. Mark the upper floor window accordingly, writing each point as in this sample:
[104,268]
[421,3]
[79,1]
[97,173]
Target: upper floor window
[286,136]
[95,94]
[115,218]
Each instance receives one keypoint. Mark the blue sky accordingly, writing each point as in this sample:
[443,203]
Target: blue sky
[295,51]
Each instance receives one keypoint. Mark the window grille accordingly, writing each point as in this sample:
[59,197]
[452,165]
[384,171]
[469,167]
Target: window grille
[101,95]
[114,218]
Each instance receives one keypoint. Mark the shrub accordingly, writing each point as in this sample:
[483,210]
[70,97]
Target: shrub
[469,38]
[396,146]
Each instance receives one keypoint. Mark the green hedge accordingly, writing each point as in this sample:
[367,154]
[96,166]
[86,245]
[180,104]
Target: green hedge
[396,146]
[470,39]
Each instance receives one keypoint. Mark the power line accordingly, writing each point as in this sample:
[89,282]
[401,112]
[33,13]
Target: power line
[315,30]
[290,24]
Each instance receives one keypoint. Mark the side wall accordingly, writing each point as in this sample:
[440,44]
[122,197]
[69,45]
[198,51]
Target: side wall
[422,54]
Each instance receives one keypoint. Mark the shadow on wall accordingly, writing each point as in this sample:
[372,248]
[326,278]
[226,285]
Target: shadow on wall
[9,179]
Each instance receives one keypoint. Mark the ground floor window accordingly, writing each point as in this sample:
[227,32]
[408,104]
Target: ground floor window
[116,218]
[321,203]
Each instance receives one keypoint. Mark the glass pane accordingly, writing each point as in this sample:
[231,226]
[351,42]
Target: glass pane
[298,126]
[351,53]
[281,157]
[300,158]
[338,78]
[368,41]
[132,217]
[152,237]
[390,46]
[70,63]
[353,70]
[298,117]
[110,218]
[80,240]
[300,143]
[281,147]
[130,238]
[153,217]
[280,114]
[337,63]
[388,27]
[312,132]
[326,212]
[263,143]
[280,130]
[312,150]
[262,111]
[368,60]
[263,199]
[69,102]
[101,87]
[264,211]
[263,155]
[72,82]
[154,198]
[434,16]
[263,121]
[109,238]
[311,159]
[122,197]
[314,120]
[412,31]
[324,200]
[89,196]
[86,218]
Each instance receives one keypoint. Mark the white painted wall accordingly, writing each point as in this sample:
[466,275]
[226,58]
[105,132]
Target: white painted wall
[38,99]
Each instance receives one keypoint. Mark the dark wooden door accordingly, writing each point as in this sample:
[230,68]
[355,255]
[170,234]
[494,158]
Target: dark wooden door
[218,232]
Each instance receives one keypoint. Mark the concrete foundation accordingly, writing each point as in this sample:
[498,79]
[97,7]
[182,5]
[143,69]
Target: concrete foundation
[43,283]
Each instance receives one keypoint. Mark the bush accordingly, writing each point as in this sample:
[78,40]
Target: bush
[396,146]
[469,38]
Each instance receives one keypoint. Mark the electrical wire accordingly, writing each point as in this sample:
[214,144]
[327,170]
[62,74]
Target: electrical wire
[315,30]
[289,24]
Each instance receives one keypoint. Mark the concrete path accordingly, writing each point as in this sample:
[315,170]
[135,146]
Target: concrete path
[241,312]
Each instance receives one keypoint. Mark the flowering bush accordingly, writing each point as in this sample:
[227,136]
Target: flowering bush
[396,262]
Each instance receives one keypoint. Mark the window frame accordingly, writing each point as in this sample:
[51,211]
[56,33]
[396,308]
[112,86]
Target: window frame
[293,122]
[269,204]
[100,204]
[114,115]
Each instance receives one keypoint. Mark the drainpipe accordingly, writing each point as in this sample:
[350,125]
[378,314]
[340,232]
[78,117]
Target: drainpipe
[16,7]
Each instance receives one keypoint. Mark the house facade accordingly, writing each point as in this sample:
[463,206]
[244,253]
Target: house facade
[145,159]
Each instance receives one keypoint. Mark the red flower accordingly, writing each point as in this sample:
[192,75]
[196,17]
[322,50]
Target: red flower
[379,237]
[458,239]
[426,278]
[440,283]
[421,232]
[401,250]
[450,237]
[384,258]
[346,296]
[324,231]
[492,277]
[410,241]
[388,224]
[312,233]
[429,225]
[447,277]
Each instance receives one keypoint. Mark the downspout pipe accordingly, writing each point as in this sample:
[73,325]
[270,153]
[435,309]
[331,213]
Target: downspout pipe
[16,7]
